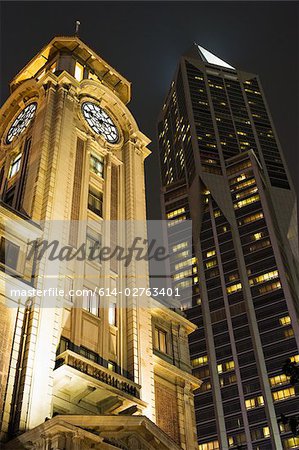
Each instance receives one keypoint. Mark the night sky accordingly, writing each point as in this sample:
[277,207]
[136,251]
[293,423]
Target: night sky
[144,41]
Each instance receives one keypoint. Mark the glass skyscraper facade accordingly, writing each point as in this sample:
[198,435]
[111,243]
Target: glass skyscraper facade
[222,166]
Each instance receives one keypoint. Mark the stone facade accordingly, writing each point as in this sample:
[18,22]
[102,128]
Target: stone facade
[61,180]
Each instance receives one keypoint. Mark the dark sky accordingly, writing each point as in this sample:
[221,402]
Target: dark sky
[144,41]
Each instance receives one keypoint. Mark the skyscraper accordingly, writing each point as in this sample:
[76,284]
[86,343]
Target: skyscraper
[222,166]
[88,358]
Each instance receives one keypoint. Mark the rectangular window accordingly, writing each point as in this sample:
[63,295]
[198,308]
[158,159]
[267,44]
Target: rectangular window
[68,288]
[278,380]
[95,201]
[212,445]
[270,287]
[97,165]
[227,380]
[266,432]
[286,320]
[246,193]
[283,394]
[179,246]
[291,443]
[160,340]
[9,253]
[200,361]
[226,366]
[89,354]
[211,263]
[288,333]
[79,70]
[111,366]
[183,274]
[91,301]
[182,264]
[254,402]
[175,213]
[234,288]
[251,218]
[246,202]
[264,277]
[93,244]
[250,403]
[112,312]
[63,345]
[15,166]
[174,222]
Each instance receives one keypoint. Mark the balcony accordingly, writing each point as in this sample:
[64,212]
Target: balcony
[82,383]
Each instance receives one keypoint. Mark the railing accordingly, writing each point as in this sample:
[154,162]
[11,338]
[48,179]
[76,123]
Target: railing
[98,372]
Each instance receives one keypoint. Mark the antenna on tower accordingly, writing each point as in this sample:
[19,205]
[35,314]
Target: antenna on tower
[78,23]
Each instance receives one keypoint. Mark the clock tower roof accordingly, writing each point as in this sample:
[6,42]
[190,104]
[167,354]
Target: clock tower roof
[81,52]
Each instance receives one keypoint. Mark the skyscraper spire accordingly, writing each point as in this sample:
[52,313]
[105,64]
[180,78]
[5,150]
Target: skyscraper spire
[212,59]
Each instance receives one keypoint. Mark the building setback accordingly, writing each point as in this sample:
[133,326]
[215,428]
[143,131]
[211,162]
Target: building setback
[222,166]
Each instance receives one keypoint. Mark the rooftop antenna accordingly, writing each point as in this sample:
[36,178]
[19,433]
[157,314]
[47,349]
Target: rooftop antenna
[78,23]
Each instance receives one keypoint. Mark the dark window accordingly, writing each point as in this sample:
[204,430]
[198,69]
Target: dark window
[9,253]
[93,244]
[97,165]
[95,201]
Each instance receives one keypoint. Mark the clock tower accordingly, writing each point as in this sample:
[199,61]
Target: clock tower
[84,362]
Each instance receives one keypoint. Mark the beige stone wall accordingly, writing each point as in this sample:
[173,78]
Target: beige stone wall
[8,318]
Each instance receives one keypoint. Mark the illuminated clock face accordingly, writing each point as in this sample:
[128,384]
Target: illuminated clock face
[21,122]
[100,122]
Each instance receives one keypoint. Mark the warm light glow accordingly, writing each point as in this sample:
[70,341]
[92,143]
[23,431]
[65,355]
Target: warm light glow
[234,288]
[226,366]
[291,442]
[212,445]
[286,320]
[79,69]
[211,263]
[200,361]
[175,213]
[252,218]
[270,287]
[182,264]
[246,202]
[278,380]
[283,394]
[174,222]
[257,236]
[254,402]
[15,165]
[179,246]
[247,192]
[264,277]
[184,274]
